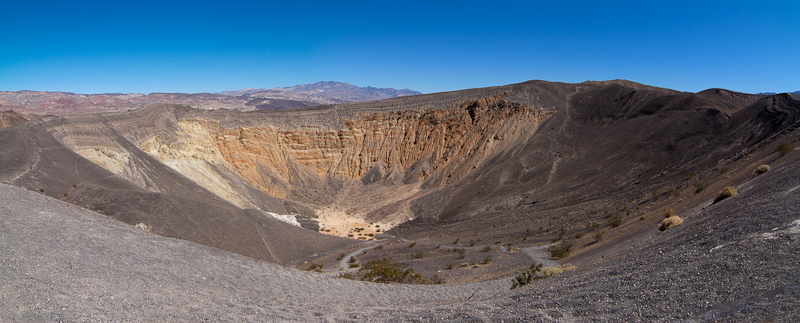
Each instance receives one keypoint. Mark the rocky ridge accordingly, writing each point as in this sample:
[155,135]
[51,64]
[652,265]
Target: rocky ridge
[65,103]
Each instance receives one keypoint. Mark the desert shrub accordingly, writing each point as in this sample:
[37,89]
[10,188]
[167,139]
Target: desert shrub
[785,148]
[727,192]
[313,266]
[449,266]
[418,254]
[352,260]
[340,257]
[670,222]
[143,226]
[385,271]
[461,253]
[486,260]
[578,235]
[436,280]
[699,187]
[354,265]
[598,235]
[347,276]
[616,221]
[561,250]
[560,235]
[552,271]
[455,241]
[761,169]
[669,212]
[413,244]
[527,276]
[472,243]
[486,249]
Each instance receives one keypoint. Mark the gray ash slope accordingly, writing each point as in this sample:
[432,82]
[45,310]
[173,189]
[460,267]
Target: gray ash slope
[736,260]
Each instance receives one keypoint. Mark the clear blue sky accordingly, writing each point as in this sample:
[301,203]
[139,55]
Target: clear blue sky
[429,46]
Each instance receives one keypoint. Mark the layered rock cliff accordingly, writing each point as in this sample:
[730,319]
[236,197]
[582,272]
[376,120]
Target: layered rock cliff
[308,159]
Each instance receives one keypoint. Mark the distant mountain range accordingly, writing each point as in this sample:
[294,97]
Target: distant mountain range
[774,93]
[320,93]
[327,90]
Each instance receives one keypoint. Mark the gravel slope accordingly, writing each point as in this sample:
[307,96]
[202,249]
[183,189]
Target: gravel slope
[737,260]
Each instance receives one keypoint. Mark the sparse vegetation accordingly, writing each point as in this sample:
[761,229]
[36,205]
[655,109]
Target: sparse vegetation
[340,257]
[449,266]
[527,276]
[418,254]
[669,212]
[761,169]
[455,241]
[670,222]
[413,244]
[561,250]
[616,221]
[578,235]
[486,260]
[486,248]
[598,235]
[785,148]
[347,276]
[727,192]
[553,271]
[314,266]
[461,253]
[472,243]
[385,271]
[143,227]
[699,187]
[560,235]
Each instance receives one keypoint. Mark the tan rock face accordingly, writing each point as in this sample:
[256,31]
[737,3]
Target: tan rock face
[415,143]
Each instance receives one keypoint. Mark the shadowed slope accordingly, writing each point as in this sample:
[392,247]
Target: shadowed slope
[180,208]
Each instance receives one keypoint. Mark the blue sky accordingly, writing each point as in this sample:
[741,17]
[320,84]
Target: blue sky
[430,46]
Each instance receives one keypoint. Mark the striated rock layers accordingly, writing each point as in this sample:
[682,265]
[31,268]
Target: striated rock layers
[306,161]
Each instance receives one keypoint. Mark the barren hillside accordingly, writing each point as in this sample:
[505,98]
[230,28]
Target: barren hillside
[463,186]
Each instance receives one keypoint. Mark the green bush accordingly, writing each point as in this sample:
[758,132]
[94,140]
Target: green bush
[561,250]
[527,276]
[385,271]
